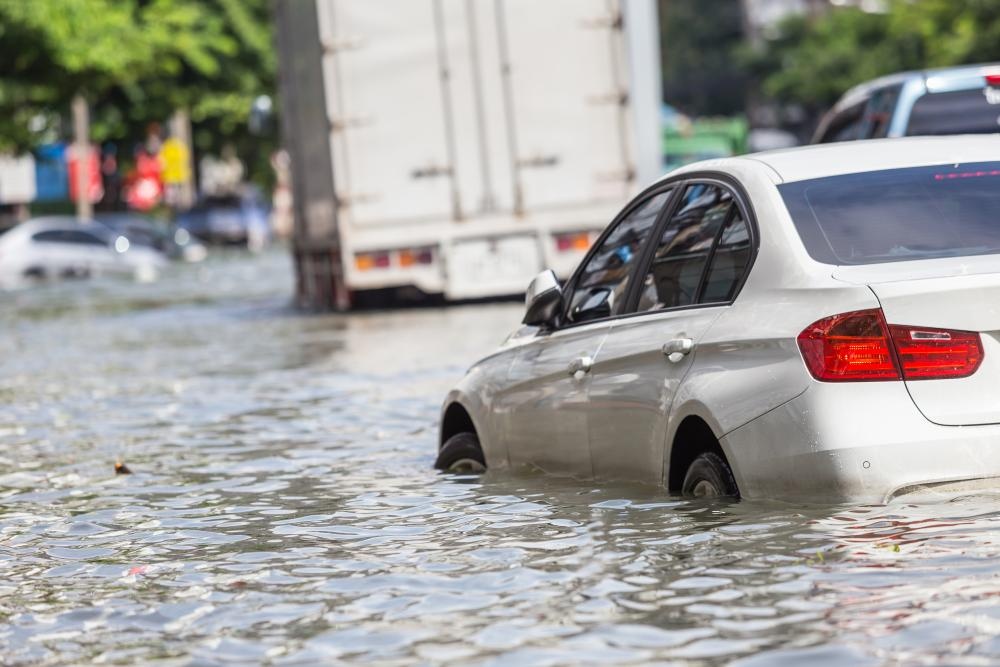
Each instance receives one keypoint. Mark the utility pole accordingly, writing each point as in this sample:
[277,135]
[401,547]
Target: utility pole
[81,147]
[642,38]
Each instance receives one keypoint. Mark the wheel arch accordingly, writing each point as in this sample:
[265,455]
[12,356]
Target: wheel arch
[694,433]
[455,419]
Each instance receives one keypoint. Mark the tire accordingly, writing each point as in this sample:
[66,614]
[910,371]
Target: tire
[709,476]
[462,454]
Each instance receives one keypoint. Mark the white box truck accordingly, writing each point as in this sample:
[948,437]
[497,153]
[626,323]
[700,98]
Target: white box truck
[454,148]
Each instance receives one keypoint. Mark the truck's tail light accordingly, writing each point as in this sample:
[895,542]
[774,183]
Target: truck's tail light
[578,241]
[383,259]
[366,261]
[859,346]
[415,256]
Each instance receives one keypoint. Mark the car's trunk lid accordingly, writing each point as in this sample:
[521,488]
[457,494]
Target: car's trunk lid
[956,294]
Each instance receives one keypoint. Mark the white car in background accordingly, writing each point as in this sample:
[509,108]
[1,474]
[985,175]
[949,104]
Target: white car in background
[60,247]
[819,322]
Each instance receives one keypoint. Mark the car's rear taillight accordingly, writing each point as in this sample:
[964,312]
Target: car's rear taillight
[849,347]
[926,354]
[859,346]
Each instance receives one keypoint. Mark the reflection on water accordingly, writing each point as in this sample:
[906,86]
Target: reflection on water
[283,510]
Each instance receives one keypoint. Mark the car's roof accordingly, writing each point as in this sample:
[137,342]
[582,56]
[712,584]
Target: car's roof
[122,220]
[126,216]
[47,221]
[942,78]
[850,157]
[50,222]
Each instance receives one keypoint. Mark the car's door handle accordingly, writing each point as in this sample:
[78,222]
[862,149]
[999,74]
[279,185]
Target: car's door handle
[580,365]
[678,348]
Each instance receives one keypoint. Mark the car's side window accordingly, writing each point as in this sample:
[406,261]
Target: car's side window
[83,238]
[878,116]
[845,125]
[602,284]
[729,261]
[51,236]
[684,247]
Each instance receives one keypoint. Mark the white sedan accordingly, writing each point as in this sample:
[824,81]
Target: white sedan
[813,322]
[61,247]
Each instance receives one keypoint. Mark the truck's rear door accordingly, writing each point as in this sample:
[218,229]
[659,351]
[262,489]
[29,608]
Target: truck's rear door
[384,97]
[565,99]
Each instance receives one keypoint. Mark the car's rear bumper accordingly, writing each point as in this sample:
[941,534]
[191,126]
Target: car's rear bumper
[863,442]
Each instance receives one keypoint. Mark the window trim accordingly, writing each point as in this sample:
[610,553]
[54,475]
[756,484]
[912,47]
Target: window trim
[737,198]
[679,183]
[703,282]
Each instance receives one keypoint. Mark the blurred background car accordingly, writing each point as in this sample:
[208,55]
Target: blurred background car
[175,243]
[229,219]
[60,247]
[955,100]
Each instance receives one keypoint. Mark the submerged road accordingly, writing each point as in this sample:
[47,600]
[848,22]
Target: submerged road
[281,509]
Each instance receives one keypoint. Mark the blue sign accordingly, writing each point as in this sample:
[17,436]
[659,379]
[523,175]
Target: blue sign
[51,177]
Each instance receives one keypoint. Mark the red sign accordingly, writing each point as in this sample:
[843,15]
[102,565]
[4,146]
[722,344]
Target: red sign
[92,169]
[145,188]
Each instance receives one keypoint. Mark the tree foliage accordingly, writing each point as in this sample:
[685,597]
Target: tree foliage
[699,42]
[135,61]
[813,60]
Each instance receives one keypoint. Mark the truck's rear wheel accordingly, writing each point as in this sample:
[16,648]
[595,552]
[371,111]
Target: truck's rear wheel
[709,476]
[461,453]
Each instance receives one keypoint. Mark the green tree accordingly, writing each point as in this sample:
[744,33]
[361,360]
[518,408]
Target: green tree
[812,61]
[699,42]
[135,61]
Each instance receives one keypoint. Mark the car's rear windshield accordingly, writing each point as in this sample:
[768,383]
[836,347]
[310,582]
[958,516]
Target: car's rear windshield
[974,111]
[899,214]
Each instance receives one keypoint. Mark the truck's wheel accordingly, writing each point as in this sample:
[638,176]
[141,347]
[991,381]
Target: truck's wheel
[709,476]
[461,453]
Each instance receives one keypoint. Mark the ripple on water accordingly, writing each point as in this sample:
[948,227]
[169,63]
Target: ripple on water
[282,510]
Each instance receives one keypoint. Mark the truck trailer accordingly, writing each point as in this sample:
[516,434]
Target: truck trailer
[451,149]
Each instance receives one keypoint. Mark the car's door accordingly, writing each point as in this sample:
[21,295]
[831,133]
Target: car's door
[93,250]
[702,253]
[544,410]
[57,255]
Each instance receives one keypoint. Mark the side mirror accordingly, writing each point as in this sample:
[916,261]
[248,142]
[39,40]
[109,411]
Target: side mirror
[543,300]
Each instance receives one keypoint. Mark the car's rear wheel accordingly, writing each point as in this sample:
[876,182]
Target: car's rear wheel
[461,453]
[709,476]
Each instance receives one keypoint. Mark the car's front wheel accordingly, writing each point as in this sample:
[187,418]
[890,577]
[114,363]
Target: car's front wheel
[461,453]
[709,476]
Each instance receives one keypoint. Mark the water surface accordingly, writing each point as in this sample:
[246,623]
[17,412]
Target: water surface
[282,510]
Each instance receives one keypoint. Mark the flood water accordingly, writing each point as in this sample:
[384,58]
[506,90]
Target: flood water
[282,510]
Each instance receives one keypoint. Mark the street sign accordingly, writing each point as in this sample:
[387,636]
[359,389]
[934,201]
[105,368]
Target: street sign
[92,168]
[176,162]
[51,181]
